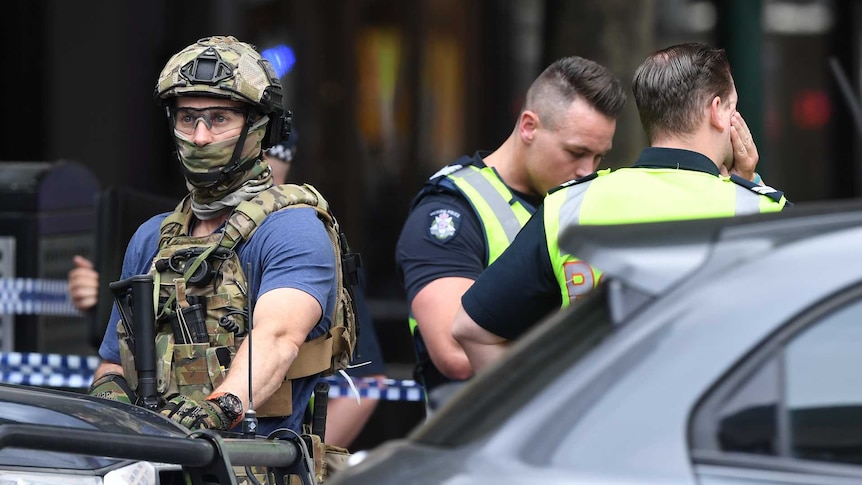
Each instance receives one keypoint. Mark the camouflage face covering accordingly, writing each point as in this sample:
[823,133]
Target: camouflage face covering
[209,158]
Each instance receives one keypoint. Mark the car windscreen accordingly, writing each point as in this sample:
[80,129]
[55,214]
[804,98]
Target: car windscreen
[536,359]
[21,458]
[59,421]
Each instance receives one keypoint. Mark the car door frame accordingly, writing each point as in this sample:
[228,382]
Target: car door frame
[714,467]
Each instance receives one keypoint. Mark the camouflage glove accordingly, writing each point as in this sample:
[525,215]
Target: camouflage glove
[113,387]
[218,412]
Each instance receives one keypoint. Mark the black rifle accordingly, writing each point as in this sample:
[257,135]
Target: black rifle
[134,297]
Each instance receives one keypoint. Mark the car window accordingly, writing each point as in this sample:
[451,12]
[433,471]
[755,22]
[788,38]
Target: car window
[823,389]
[800,399]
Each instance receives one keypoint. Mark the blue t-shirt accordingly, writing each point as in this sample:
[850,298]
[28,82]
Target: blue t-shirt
[290,249]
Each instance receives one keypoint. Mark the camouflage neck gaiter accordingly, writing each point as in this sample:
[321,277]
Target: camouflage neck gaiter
[246,191]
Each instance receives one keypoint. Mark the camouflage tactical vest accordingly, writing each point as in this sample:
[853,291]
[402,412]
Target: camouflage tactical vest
[202,305]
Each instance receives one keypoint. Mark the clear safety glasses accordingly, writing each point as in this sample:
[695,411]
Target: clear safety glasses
[218,119]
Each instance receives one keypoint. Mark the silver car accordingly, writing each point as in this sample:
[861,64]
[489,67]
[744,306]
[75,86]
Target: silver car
[715,352]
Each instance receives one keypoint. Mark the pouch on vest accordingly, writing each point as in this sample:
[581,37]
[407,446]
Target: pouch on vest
[201,291]
[334,350]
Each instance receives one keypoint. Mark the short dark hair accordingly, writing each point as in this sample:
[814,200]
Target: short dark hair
[571,77]
[674,85]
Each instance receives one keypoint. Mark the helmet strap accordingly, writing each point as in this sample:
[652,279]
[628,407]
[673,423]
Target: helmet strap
[171,124]
[234,166]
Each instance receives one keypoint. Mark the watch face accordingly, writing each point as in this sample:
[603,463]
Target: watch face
[230,404]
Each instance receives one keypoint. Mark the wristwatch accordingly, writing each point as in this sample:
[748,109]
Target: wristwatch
[230,404]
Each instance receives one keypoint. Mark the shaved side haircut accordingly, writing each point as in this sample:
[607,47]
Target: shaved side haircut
[570,78]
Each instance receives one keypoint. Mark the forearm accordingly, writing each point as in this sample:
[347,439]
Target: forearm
[445,352]
[452,363]
[283,318]
[345,419]
[106,367]
[434,309]
[481,346]
[271,358]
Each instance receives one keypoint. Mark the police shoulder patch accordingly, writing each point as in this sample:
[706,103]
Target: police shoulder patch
[443,224]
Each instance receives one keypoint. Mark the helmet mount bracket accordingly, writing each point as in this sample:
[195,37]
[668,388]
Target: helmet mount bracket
[208,68]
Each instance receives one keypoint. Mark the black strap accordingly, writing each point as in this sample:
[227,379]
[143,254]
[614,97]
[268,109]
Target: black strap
[766,190]
[585,178]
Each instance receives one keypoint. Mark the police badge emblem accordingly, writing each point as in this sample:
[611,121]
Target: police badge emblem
[443,224]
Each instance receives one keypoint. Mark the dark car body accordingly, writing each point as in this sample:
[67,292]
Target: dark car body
[37,426]
[55,436]
[715,352]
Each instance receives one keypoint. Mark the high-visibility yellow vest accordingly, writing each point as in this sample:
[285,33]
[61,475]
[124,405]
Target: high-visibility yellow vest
[501,214]
[632,195]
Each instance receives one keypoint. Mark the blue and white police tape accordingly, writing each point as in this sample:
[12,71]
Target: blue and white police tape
[53,370]
[383,389]
[30,296]
[74,371]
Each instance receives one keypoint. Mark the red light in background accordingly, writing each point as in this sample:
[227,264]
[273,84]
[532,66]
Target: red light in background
[811,109]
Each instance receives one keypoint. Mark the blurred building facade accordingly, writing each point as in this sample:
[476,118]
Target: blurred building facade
[384,92]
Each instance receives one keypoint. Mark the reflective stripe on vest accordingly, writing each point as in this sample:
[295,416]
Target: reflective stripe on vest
[632,195]
[502,217]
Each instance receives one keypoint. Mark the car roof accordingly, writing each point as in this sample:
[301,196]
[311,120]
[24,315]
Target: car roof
[647,259]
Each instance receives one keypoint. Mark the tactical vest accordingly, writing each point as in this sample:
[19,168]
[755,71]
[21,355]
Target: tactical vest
[632,195]
[202,306]
[501,215]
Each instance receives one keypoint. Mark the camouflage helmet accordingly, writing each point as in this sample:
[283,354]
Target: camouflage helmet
[224,67]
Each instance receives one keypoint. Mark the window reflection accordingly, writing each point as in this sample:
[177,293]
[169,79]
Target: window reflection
[824,389]
[806,401]
[748,420]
